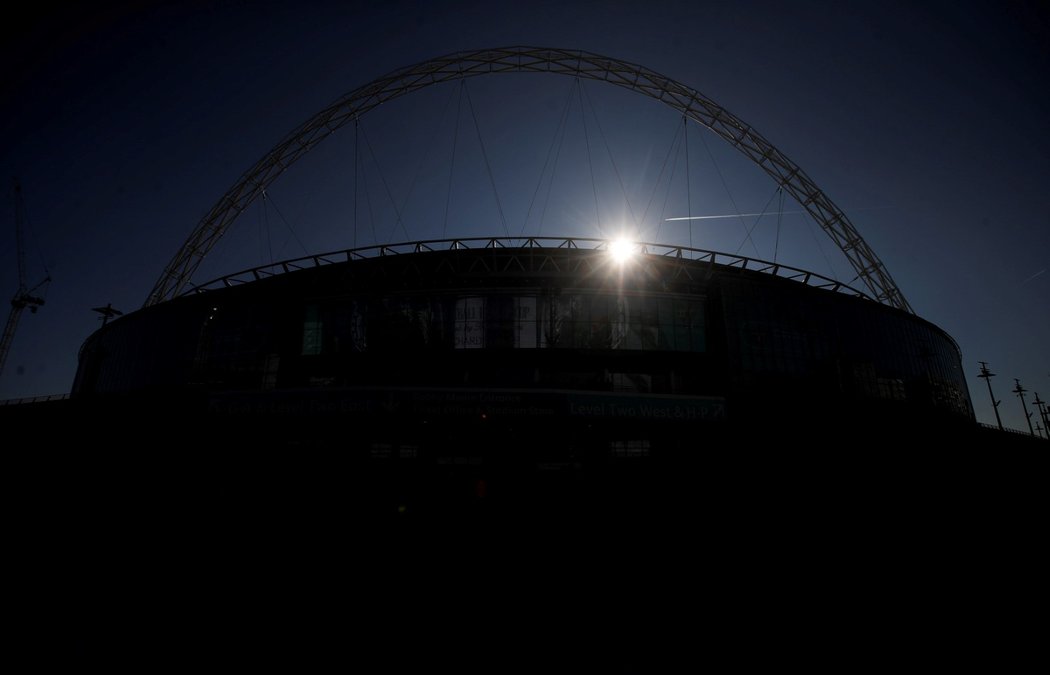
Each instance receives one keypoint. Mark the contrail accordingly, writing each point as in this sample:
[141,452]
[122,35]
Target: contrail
[732,215]
[1033,276]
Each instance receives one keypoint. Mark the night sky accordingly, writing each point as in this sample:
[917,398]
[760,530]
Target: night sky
[926,122]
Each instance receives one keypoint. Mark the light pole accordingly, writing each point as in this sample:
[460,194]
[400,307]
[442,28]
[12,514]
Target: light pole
[987,376]
[1041,405]
[107,312]
[1020,391]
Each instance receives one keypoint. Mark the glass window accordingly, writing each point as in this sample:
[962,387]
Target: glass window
[469,330]
[526,332]
[312,331]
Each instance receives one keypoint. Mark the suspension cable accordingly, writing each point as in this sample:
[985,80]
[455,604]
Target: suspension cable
[758,219]
[557,155]
[426,156]
[452,162]
[590,164]
[382,178]
[780,217]
[371,212]
[608,151]
[656,185]
[357,121]
[546,161]
[264,228]
[729,194]
[688,182]
[834,274]
[670,179]
[485,156]
[286,224]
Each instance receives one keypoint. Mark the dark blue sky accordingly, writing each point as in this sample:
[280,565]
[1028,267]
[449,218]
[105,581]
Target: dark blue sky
[926,122]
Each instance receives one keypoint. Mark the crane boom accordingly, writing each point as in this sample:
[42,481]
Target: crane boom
[23,296]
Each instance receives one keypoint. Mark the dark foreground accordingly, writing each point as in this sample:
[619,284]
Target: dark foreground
[237,545]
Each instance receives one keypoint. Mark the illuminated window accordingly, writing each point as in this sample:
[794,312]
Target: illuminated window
[526,333]
[469,330]
[312,331]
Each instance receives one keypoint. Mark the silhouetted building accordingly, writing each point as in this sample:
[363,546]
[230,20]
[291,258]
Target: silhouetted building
[539,353]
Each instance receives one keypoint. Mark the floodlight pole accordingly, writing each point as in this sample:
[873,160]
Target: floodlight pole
[987,376]
[107,312]
[1041,405]
[1020,391]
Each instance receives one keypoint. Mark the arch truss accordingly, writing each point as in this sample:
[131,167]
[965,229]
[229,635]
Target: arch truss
[689,102]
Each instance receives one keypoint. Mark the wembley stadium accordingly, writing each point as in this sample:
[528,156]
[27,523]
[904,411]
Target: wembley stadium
[565,420]
[551,332]
[491,361]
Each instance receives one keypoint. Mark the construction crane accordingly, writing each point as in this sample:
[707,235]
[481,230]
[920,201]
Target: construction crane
[24,296]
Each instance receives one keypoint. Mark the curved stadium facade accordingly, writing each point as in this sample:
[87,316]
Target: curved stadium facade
[541,352]
[478,358]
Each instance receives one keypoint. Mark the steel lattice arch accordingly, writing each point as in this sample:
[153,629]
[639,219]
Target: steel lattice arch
[871,272]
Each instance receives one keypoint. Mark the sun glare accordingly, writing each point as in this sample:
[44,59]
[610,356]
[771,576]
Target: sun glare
[621,250]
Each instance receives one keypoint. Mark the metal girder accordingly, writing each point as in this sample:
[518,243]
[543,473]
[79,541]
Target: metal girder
[691,103]
[519,249]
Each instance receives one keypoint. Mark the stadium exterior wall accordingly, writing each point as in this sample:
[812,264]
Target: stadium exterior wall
[548,334]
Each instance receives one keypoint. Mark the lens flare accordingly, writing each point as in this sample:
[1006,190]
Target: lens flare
[621,250]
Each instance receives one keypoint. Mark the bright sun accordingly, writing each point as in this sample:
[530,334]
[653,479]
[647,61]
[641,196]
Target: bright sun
[621,250]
